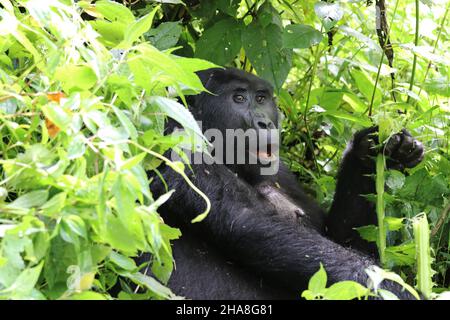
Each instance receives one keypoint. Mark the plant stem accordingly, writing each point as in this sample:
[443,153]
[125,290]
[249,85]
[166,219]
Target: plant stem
[180,171]
[423,257]
[375,85]
[380,164]
[305,111]
[416,42]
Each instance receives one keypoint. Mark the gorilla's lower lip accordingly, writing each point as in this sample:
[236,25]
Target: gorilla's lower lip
[265,156]
[267,153]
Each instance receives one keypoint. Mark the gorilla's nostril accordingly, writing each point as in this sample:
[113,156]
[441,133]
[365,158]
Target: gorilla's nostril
[262,125]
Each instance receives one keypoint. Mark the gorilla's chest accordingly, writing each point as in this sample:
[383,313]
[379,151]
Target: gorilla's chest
[284,205]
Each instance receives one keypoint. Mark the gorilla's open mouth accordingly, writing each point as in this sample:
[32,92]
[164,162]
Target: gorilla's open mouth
[265,153]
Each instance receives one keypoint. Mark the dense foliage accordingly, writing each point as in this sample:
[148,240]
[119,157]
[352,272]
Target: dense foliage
[85,87]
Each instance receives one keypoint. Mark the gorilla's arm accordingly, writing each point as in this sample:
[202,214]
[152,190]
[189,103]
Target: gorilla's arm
[350,208]
[249,230]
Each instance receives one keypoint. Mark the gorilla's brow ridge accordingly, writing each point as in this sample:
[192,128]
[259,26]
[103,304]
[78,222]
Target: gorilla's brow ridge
[243,85]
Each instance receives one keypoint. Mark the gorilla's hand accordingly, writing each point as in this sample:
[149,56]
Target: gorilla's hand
[402,150]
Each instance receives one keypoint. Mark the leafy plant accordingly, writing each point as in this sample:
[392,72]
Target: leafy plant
[82,107]
[344,290]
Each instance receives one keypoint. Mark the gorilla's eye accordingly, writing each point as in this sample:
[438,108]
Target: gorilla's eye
[260,99]
[239,98]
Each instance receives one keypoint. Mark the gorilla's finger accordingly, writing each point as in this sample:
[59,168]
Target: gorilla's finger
[372,132]
[416,158]
[415,162]
[406,133]
[417,151]
[392,145]
[392,164]
[406,147]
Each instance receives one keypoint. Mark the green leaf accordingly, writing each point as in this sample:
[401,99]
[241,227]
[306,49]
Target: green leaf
[402,255]
[439,86]
[327,98]
[24,284]
[161,200]
[318,281]
[369,233]
[151,284]
[227,6]
[76,77]
[394,223]
[114,11]
[57,115]
[119,236]
[112,33]
[221,42]
[126,123]
[300,36]
[54,205]
[354,102]
[373,45]
[162,269]
[395,179]
[133,161]
[165,36]
[350,117]
[194,65]
[263,46]
[76,225]
[122,261]
[139,27]
[387,295]
[181,114]
[124,200]
[77,147]
[88,295]
[365,85]
[30,200]
[112,135]
[308,295]
[151,62]
[346,290]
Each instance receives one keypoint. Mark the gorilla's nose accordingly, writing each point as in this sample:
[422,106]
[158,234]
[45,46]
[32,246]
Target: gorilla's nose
[264,124]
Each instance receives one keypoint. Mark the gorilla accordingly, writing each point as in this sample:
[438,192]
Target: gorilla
[264,237]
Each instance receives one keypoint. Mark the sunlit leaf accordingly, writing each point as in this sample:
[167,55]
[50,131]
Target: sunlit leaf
[221,42]
[300,36]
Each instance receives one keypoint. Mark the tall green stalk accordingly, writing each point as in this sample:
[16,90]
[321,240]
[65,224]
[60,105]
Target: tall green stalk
[305,112]
[380,165]
[416,42]
[423,255]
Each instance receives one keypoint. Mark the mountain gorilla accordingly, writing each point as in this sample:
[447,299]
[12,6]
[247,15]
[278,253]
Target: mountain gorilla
[264,236]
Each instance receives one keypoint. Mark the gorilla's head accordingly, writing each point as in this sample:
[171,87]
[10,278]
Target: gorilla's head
[239,103]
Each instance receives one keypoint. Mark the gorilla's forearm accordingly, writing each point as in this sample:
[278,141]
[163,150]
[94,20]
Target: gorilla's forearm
[251,233]
[350,208]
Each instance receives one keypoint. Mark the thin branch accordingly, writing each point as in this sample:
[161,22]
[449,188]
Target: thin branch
[441,220]
[416,42]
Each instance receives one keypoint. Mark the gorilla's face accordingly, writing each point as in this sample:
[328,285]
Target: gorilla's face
[242,104]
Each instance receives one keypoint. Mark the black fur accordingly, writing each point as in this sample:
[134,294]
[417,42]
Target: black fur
[264,237]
